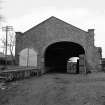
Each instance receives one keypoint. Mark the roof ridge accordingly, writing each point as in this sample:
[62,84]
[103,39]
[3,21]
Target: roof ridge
[53,17]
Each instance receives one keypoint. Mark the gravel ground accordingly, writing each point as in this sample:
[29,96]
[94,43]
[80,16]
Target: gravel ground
[56,89]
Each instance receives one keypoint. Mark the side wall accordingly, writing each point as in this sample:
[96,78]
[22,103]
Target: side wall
[93,57]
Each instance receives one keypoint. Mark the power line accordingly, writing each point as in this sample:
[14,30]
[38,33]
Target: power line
[6,29]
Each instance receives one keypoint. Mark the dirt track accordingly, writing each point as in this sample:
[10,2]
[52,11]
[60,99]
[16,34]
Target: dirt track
[56,89]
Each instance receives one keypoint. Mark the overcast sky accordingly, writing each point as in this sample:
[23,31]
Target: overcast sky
[85,14]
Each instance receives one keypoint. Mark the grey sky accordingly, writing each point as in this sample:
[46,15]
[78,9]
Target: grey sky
[14,8]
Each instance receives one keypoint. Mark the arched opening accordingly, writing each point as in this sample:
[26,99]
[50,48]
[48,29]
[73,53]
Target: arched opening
[58,54]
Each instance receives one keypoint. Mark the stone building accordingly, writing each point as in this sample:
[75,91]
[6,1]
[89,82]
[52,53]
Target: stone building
[50,44]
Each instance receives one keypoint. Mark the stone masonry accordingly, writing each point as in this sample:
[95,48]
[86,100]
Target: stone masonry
[55,30]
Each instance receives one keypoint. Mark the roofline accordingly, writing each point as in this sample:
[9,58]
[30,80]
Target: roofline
[56,18]
[38,24]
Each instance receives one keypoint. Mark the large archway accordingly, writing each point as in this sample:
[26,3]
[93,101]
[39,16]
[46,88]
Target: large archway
[57,55]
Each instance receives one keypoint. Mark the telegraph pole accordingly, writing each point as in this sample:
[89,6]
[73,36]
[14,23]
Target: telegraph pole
[6,29]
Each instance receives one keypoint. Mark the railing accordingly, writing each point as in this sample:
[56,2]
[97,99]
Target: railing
[20,73]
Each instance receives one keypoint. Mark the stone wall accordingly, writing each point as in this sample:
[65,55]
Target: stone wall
[55,30]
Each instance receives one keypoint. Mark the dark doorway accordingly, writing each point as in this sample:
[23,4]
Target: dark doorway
[57,55]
